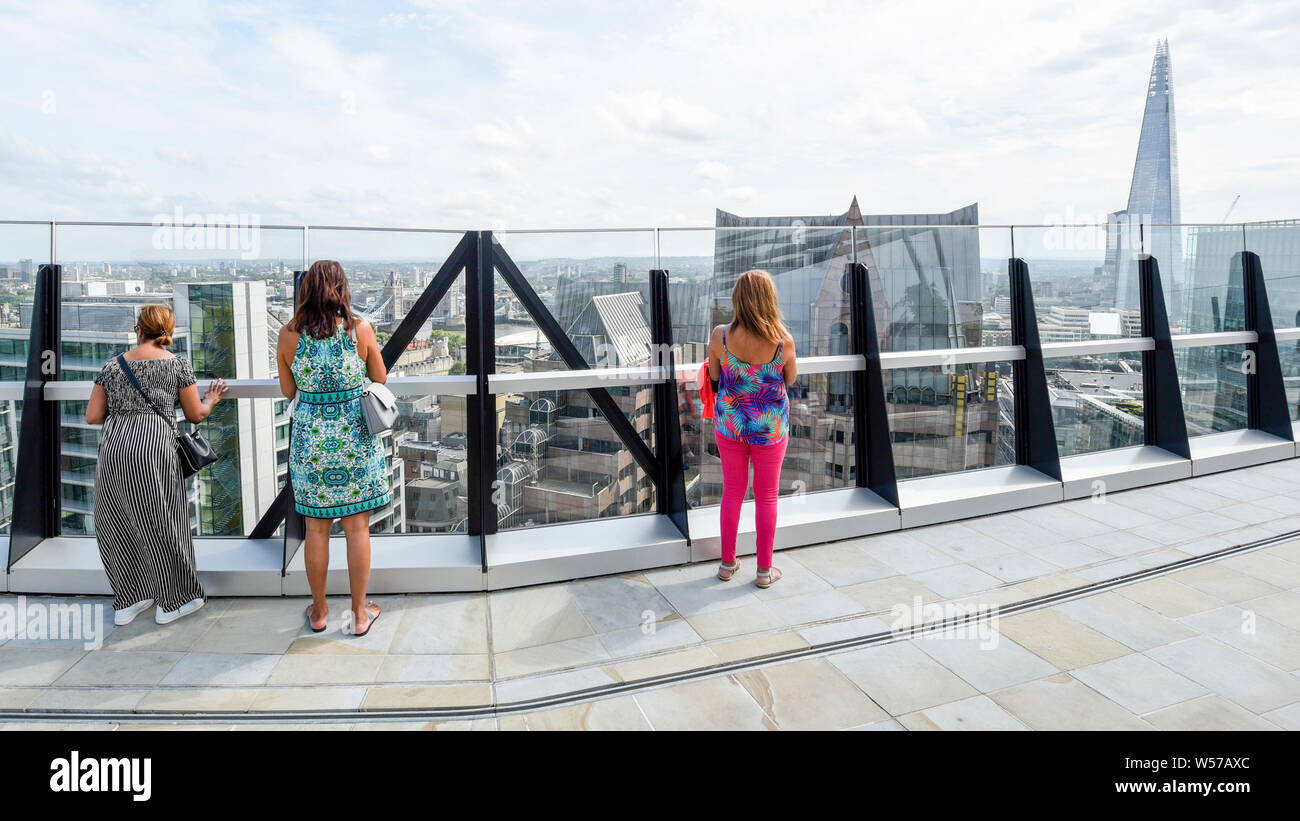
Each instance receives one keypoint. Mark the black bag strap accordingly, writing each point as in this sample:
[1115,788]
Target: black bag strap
[130,377]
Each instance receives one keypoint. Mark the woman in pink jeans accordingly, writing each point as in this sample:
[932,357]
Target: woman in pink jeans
[751,362]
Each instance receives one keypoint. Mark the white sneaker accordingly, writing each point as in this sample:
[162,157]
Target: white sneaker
[184,610]
[121,618]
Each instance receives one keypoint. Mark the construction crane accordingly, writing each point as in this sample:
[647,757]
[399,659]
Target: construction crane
[1230,207]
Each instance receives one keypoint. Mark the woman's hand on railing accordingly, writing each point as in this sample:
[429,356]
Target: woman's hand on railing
[216,392]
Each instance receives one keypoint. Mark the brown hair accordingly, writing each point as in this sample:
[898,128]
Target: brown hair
[757,310]
[323,298]
[157,323]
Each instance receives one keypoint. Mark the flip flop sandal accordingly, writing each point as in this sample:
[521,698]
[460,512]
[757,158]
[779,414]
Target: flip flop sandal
[772,576]
[373,619]
[313,627]
[729,571]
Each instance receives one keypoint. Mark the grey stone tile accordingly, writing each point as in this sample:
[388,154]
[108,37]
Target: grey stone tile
[220,670]
[531,616]
[1138,684]
[1288,718]
[905,553]
[1210,712]
[1125,621]
[619,602]
[253,625]
[1017,532]
[838,563]
[1015,567]
[144,635]
[986,664]
[1121,543]
[845,629]
[811,607]
[974,713]
[810,694]
[35,665]
[407,668]
[963,542]
[666,635]
[444,624]
[1254,685]
[696,588]
[1283,608]
[1061,702]
[122,668]
[1064,522]
[956,580]
[621,713]
[711,704]
[308,669]
[1069,555]
[546,657]
[901,678]
[550,684]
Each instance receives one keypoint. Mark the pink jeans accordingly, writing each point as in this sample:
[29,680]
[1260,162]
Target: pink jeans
[767,459]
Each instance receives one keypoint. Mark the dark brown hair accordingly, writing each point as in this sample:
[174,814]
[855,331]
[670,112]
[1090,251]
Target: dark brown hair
[157,323]
[323,299]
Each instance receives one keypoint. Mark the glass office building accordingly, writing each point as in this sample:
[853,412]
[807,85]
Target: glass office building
[1154,202]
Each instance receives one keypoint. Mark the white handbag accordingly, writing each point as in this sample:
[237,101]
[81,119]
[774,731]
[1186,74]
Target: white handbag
[379,407]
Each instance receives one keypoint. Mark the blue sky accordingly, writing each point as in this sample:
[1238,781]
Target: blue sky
[568,114]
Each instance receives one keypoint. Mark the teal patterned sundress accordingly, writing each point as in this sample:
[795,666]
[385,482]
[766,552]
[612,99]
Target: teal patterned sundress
[337,467]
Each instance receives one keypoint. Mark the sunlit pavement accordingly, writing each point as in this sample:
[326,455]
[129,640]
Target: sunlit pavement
[1212,646]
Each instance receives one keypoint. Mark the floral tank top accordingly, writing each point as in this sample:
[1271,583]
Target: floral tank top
[752,405]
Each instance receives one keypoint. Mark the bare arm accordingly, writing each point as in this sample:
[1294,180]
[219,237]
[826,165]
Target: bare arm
[369,350]
[715,353]
[791,366]
[285,348]
[97,407]
[196,409]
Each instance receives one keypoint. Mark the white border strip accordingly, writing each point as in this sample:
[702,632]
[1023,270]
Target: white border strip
[893,360]
[1093,346]
[1208,340]
[502,383]
[460,385]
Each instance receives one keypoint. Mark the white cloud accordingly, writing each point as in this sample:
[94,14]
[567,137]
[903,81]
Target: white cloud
[456,113]
[718,173]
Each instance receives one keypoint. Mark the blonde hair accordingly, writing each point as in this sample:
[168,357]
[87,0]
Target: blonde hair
[158,323]
[757,309]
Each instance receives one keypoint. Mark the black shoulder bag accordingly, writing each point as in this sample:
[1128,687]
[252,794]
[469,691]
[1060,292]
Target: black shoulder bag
[195,452]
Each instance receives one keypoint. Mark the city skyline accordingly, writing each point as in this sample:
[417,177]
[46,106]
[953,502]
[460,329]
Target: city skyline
[298,117]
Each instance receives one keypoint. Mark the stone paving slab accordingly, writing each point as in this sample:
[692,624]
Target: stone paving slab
[1217,643]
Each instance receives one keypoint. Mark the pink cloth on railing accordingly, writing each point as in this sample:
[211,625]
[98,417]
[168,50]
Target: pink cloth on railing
[707,397]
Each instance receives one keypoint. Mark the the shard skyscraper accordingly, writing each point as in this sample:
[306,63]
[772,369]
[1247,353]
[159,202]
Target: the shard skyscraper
[1154,203]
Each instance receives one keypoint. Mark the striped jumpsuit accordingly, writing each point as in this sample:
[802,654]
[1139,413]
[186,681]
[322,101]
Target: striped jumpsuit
[141,513]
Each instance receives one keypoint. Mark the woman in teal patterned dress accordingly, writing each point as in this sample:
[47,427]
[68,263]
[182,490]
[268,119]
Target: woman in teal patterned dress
[337,467]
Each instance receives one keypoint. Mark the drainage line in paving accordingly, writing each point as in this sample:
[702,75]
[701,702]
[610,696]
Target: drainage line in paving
[623,688]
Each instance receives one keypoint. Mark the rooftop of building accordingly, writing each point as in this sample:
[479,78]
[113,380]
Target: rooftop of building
[1118,613]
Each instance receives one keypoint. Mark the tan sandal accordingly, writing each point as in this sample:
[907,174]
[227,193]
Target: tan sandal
[769,577]
[725,572]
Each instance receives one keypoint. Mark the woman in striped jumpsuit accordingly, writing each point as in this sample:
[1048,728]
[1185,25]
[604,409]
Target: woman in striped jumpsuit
[141,517]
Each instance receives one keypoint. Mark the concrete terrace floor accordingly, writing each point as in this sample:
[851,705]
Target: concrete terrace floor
[1213,646]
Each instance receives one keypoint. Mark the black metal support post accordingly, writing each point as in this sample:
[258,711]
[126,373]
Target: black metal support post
[1265,389]
[873,453]
[1035,432]
[295,524]
[1164,424]
[670,484]
[480,416]
[573,359]
[37,499]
